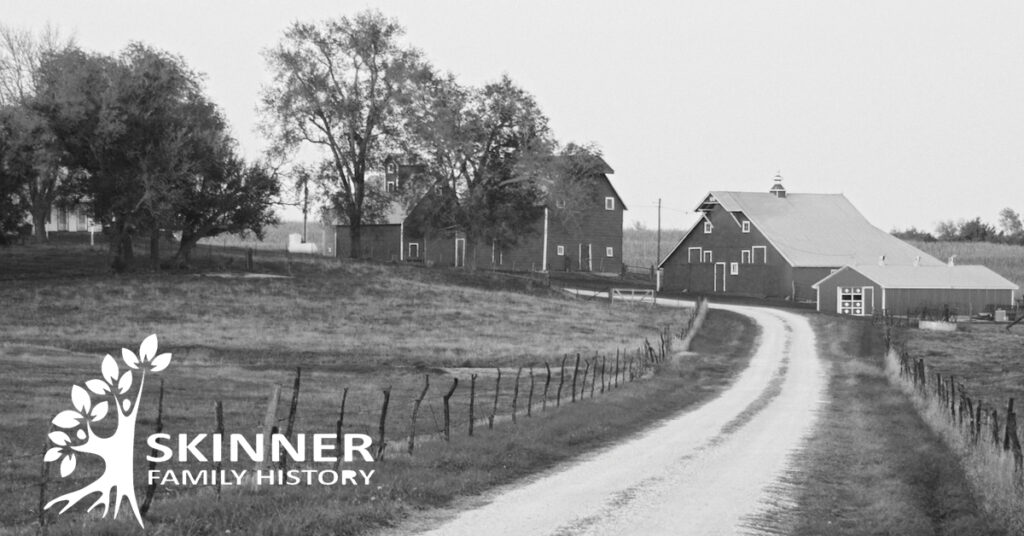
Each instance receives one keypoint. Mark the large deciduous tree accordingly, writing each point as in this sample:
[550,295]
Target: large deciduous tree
[340,86]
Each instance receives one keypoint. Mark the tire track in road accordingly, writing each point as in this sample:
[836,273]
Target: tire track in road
[706,471]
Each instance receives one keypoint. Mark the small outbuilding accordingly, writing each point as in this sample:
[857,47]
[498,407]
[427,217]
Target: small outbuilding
[864,290]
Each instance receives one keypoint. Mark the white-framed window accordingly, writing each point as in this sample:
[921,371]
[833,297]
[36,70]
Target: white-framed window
[391,186]
[392,167]
[734,268]
[693,255]
[560,203]
[708,257]
[850,301]
[414,250]
[759,254]
[559,250]
[609,203]
[707,227]
[609,251]
[746,226]
[745,256]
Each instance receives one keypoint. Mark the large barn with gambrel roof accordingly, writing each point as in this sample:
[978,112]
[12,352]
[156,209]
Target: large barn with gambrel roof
[777,244]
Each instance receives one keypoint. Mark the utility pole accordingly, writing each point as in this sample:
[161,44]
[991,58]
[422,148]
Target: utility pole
[658,261]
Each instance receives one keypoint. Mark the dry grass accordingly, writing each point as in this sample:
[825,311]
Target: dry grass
[1006,260]
[640,246]
[872,466]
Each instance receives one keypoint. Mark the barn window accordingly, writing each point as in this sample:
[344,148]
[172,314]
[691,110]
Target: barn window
[559,250]
[707,227]
[693,255]
[745,256]
[734,268]
[414,250]
[560,203]
[609,252]
[759,254]
[391,187]
[746,226]
[609,203]
[708,256]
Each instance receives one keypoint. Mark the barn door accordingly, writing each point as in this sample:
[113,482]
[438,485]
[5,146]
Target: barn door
[460,252]
[719,277]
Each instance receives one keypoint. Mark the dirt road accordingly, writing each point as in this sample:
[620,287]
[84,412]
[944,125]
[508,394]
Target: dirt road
[707,471]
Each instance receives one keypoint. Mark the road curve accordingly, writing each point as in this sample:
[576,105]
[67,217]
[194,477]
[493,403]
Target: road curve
[706,471]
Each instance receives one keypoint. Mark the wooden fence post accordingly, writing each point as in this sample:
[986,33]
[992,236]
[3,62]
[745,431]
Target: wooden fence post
[337,429]
[616,367]
[447,410]
[995,427]
[291,412]
[529,397]
[593,377]
[547,382]
[415,412]
[1010,421]
[586,370]
[604,363]
[575,371]
[218,410]
[44,479]
[494,408]
[472,402]
[515,393]
[561,382]
[151,487]
[382,443]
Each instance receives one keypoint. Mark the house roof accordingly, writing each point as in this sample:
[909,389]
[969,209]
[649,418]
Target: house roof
[974,277]
[818,230]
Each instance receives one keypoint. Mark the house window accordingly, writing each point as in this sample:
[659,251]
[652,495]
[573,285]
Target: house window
[745,256]
[609,252]
[850,301]
[734,268]
[414,250]
[391,186]
[693,255]
[391,167]
[708,256]
[707,227]
[559,250]
[609,203]
[746,226]
[560,203]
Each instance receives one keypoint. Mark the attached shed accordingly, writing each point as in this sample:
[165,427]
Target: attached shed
[867,289]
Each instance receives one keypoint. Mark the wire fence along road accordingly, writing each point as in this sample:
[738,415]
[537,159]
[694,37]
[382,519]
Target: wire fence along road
[708,471]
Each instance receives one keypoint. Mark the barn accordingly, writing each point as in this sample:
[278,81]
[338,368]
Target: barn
[908,290]
[587,238]
[777,244]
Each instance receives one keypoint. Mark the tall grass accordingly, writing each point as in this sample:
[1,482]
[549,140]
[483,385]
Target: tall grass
[1006,260]
[640,246]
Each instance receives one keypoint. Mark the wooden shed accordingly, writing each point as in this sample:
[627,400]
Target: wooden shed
[868,289]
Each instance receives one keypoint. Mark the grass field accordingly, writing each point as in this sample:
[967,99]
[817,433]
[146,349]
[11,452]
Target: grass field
[361,326]
[873,466]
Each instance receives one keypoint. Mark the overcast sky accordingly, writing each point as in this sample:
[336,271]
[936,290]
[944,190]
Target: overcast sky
[914,110]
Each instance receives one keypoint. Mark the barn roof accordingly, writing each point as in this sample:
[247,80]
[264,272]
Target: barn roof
[974,277]
[819,230]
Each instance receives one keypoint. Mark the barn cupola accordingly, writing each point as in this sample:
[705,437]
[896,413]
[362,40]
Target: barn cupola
[777,189]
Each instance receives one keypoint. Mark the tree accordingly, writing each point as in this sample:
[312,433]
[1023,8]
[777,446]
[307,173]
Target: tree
[976,231]
[947,230]
[340,86]
[487,151]
[913,233]
[21,55]
[1009,222]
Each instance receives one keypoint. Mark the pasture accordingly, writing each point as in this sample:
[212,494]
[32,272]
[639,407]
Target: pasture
[348,325]
[1006,260]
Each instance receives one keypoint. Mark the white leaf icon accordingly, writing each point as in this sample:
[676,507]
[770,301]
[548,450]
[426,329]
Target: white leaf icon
[81,434]
[66,419]
[52,455]
[148,348]
[109,369]
[99,411]
[99,387]
[59,438]
[80,399]
[129,358]
[67,465]
[126,404]
[161,361]
[125,382]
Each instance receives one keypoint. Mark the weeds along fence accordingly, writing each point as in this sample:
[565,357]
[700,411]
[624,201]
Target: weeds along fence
[399,416]
[987,441]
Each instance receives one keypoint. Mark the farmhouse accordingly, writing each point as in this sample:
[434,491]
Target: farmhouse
[777,244]
[563,237]
[865,290]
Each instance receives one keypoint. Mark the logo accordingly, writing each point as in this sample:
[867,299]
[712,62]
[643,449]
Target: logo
[120,394]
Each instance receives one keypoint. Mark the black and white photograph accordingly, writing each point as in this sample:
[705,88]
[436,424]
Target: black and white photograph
[552,268]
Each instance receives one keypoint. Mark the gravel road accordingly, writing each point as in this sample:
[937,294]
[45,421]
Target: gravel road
[706,471]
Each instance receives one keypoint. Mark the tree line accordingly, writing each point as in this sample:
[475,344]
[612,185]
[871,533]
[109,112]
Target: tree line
[1010,230]
[134,139]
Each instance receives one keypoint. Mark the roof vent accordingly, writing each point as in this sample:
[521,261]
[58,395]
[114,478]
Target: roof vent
[917,261]
[881,260]
[952,260]
[777,189]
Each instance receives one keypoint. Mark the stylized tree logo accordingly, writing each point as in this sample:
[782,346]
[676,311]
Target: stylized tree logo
[116,450]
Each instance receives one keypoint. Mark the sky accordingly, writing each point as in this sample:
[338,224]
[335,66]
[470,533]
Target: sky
[913,110]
